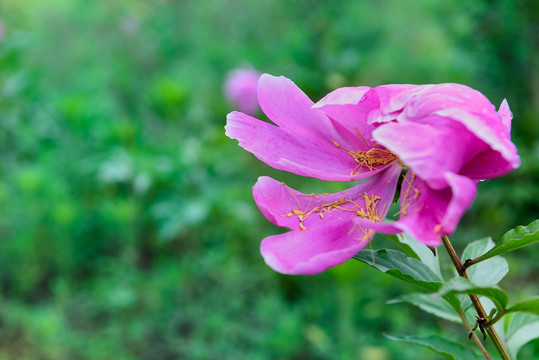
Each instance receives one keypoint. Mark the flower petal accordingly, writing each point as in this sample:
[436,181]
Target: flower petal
[462,104]
[288,107]
[427,150]
[314,251]
[283,149]
[289,208]
[350,107]
[487,165]
[392,100]
[427,214]
[463,192]
[506,115]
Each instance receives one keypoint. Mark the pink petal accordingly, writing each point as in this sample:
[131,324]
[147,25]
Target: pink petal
[463,193]
[392,99]
[350,107]
[285,206]
[284,149]
[462,104]
[487,165]
[427,214]
[489,129]
[287,106]
[314,251]
[506,115]
[427,150]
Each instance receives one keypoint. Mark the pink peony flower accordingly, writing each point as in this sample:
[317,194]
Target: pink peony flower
[447,137]
[240,89]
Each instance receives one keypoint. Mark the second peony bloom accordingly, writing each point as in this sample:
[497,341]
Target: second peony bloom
[444,137]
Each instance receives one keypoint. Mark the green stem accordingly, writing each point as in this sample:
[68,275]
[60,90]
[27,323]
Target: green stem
[470,262]
[495,319]
[475,300]
[474,336]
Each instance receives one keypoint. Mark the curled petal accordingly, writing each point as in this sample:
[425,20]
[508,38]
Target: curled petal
[284,149]
[463,192]
[427,214]
[445,103]
[487,165]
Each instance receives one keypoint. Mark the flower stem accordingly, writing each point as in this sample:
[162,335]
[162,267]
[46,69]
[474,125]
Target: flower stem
[474,336]
[475,300]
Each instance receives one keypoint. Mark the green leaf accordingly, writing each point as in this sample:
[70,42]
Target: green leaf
[486,273]
[397,264]
[529,306]
[415,249]
[460,285]
[514,239]
[405,247]
[447,348]
[521,329]
[432,304]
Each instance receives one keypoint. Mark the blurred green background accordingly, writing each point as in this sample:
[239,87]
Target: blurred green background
[127,226]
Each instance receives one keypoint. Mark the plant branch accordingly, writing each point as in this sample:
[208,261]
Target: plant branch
[474,336]
[470,262]
[475,300]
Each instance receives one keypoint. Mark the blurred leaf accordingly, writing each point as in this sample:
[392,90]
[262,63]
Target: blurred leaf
[514,239]
[447,348]
[486,273]
[397,264]
[174,216]
[415,249]
[521,329]
[430,303]
[528,306]
[459,285]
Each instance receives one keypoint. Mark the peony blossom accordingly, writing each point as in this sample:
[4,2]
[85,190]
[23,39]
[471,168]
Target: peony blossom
[446,137]
[240,89]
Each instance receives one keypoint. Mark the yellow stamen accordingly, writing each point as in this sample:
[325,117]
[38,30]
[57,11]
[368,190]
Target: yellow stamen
[406,202]
[369,210]
[369,158]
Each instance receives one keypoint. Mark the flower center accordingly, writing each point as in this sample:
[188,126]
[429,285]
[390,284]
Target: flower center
[370,158]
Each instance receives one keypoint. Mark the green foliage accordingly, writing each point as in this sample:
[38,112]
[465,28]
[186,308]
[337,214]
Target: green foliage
[488,273]
[415,249]
[431,303]
[397,264]
[482,280]
[528,306]
[460,285]
[514,239]
[521,329]
[447,348]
